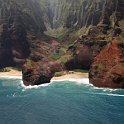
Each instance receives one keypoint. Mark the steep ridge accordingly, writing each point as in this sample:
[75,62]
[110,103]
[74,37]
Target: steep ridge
[81,13]
[18,19]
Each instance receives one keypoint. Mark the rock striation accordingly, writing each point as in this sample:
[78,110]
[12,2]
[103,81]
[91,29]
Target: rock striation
[83,13]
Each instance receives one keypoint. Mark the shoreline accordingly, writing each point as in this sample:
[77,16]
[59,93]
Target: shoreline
[11,73]
[18,74]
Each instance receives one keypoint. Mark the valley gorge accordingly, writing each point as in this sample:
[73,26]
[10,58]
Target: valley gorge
[43,37]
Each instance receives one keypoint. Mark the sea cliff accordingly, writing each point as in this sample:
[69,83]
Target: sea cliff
[82,31]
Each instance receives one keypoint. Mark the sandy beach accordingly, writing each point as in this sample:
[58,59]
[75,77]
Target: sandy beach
[12,72]
[75,75]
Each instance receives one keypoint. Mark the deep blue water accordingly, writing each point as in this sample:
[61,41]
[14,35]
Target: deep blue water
[62,102]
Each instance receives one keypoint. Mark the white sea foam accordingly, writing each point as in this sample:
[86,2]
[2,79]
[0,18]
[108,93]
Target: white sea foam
[105,89]
[11,77]
[33,87]
[77,80]
[110,94]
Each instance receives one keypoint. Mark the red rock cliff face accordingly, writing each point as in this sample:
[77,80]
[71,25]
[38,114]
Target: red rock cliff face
[107,69]
[36,73]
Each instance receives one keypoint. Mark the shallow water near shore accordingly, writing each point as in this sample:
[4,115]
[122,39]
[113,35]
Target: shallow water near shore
[72,101]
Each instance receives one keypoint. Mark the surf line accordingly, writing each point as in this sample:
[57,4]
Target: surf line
[11,77]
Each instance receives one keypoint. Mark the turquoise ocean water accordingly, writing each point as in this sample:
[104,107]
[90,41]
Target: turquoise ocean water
[60,102]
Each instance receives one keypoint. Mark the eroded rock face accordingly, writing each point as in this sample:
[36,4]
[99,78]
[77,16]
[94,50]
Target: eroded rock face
[36,73]
[80,13]
[107,69]
[40,67]
[85,49]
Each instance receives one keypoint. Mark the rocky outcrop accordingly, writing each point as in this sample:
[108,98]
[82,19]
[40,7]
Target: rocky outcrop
[40,67]
[36,73]
[107,69]
[85,49]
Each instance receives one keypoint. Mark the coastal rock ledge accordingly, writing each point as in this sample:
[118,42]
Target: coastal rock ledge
[36,73]
[107,70]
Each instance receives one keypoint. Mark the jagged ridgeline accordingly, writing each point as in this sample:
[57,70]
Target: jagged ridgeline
[18,19]
[79,13]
